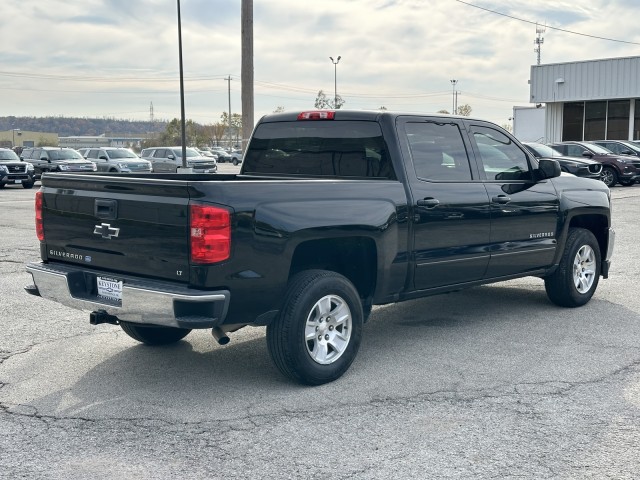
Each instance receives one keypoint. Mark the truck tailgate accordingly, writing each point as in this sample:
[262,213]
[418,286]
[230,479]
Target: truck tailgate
[115,224]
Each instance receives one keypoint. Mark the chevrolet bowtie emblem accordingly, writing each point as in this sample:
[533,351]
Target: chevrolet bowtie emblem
[106,231]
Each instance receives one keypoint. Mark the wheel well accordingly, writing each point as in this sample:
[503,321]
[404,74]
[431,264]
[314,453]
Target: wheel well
[597,224]
[353,257]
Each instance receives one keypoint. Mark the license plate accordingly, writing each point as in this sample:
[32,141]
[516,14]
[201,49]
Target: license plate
[110,288]
[18,181]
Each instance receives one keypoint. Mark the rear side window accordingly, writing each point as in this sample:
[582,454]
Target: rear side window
[319,149]
[438,151]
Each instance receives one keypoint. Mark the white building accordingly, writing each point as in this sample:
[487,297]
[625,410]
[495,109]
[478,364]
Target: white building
[589,100]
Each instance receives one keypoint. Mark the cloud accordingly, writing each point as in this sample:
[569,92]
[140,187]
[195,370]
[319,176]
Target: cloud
[108,57]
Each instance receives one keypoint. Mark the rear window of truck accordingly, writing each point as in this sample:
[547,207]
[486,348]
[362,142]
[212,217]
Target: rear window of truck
[319,149]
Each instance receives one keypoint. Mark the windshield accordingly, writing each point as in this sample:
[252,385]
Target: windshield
[632,146]
[65,155]
[122,154]
[190,153]
[543,150]
[8,155]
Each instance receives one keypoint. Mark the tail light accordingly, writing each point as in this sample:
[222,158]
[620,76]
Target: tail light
[210,234]
[39,223]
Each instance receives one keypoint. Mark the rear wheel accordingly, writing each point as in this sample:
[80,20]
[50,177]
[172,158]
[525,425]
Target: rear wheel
[576,279]
[317,335]
[154,335]
[27,184]
[627,183]
[609,176]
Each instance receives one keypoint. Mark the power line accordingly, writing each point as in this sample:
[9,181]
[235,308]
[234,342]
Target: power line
[547,26]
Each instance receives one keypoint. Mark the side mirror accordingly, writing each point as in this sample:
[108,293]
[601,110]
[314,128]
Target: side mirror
[627,152]
[171,157]
[102,157]
[587,154]
[548,168]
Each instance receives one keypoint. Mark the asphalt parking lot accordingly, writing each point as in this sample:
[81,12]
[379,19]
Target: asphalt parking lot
[491,382]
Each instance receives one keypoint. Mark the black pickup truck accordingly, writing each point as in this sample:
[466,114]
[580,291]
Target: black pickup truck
[332,212]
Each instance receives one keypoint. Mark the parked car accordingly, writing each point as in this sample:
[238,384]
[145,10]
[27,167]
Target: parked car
[223,155]
[13,171]
[168,159]
[236,156]
[621,169]
[117,159]
[56,159]
[578,166]
[621,147]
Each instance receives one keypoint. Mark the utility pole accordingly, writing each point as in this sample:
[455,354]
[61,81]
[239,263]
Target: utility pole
[246,75]
[182,119]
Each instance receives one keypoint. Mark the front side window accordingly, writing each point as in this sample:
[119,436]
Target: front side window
[501,158]
[575,150]
[319,148]
[438,151]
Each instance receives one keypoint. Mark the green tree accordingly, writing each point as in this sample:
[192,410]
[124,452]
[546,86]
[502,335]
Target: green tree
[464,110]
[323,102]
[279,110]
[443,111]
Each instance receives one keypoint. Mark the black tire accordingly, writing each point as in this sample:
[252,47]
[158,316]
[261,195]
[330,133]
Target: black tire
[1,185]
[627,183]
[609,176]
[576,278]
[27,184]
[154,335]
[312,297]
[235,161]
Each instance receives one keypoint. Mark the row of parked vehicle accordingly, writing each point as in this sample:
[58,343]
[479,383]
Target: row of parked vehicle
[29,166]
[612,161]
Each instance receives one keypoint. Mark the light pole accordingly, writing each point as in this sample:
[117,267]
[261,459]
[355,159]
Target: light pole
[453,99]
[335,81]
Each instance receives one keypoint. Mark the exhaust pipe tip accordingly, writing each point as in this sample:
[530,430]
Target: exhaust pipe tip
[220,336]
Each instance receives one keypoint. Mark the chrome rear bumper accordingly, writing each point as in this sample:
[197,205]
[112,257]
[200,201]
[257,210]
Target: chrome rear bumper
[143,301]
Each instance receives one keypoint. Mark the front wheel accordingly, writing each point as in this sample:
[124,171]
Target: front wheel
[576,279]
[317,335]
[609,176]
[154,335]
[235,161]
[27,184]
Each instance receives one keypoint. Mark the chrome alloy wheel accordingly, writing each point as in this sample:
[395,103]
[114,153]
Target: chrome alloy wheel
[584,269]
[328,329]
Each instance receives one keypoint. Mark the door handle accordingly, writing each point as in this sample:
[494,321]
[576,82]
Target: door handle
[428,202]
[502,199]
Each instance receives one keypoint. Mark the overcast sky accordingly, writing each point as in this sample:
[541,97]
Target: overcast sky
[113,58]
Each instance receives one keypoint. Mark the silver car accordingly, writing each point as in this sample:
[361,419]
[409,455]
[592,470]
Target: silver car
[168,159]
[115,159]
